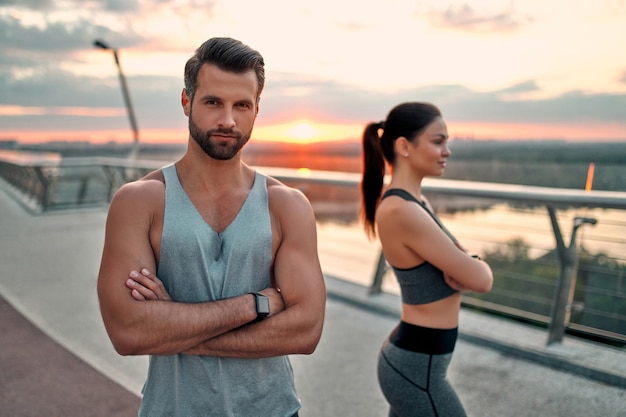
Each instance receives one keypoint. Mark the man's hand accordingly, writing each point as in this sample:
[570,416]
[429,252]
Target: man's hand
[144,285]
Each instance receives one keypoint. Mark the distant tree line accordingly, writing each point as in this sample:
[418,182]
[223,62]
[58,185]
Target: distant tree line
[528,284]
[549,164]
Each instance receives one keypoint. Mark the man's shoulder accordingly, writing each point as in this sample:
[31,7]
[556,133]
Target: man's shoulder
[148,188]
[284,197]
[275,186]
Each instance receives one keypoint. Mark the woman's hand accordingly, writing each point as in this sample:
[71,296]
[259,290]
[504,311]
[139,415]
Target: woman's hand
[144,286]
[454,284]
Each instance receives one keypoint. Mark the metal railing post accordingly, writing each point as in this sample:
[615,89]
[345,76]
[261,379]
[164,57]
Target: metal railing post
[46,186]
[564,292]
[109,174]
[82,190]
[379,273]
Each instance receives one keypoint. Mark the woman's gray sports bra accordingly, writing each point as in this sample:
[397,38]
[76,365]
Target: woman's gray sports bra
[423,283]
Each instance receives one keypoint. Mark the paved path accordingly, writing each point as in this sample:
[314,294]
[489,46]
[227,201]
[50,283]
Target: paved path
[48,268]
[38,377]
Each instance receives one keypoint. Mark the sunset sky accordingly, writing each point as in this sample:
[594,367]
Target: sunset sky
[532,69]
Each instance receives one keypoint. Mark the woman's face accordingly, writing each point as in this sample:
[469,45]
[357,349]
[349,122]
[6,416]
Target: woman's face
[429,151]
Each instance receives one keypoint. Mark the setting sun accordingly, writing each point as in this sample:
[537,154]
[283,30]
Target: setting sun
[303,131]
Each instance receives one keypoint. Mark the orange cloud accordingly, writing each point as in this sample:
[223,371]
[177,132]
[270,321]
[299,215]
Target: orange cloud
[63,111]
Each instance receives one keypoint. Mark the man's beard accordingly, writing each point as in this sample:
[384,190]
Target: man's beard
[222,150]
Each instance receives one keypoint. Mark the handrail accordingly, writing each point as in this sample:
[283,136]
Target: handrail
[488,190]
[497,191]
[550,197]
[120,170]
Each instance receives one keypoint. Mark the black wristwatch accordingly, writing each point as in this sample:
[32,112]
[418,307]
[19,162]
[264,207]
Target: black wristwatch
[262,306]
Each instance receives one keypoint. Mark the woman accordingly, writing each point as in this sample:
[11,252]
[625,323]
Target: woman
[431,266]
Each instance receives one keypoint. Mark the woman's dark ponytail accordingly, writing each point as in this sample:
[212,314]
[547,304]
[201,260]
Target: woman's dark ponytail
[373,176]
[405,120]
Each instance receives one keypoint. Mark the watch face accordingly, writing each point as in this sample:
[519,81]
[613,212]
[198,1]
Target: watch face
[263,304]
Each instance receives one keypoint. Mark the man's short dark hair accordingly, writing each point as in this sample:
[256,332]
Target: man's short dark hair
[228,55]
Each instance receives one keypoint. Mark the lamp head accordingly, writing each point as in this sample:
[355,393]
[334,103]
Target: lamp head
[100,44]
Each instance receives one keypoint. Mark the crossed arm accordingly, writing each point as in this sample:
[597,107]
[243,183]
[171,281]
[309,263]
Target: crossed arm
[409,231]
[160,326]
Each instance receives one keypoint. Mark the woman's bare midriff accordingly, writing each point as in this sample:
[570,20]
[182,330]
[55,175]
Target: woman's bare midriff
[442,314]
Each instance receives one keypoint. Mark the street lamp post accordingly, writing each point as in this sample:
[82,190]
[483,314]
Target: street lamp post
[131,115]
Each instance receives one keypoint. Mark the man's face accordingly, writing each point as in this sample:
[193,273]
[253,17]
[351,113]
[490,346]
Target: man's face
[222,114]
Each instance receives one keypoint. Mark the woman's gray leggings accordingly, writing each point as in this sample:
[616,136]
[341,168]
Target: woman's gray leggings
[414,383]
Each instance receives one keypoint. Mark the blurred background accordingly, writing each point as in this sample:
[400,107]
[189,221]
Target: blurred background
[534,95]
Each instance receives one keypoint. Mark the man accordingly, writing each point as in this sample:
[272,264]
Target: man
[239,282]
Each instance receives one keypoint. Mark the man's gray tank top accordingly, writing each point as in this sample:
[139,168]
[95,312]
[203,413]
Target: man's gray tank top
[196,265]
